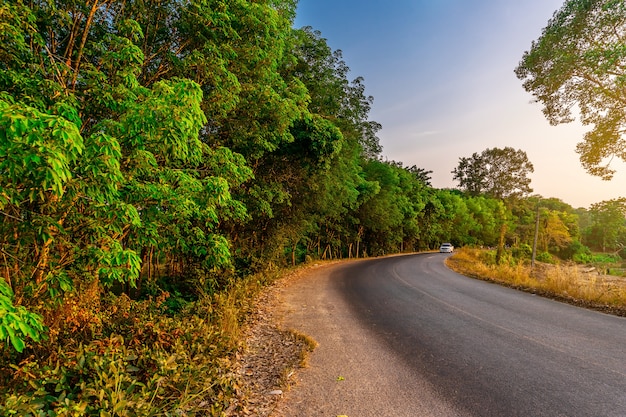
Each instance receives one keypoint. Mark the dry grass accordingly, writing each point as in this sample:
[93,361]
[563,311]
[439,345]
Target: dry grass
[308,346]
[568,283]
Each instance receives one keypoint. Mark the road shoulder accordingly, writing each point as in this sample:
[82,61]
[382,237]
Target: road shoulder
[350,372]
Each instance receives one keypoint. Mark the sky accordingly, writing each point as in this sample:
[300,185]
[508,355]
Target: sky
[442,76]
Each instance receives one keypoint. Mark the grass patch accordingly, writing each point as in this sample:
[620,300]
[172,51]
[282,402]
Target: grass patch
[308,346]
[304,345]
[568,283]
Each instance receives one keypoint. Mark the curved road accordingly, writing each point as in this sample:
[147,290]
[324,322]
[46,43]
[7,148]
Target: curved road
[410,337]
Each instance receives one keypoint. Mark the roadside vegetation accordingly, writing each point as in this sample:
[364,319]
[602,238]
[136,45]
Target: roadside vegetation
[589,286]
[122,357]
[162,162]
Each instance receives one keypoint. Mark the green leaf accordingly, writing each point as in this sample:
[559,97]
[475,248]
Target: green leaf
[16,341]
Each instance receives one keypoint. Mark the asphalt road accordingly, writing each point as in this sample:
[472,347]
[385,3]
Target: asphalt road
[405,336]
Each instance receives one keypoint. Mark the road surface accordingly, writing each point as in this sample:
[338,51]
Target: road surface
[406,336]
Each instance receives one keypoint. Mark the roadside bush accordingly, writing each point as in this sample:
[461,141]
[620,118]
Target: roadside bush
[605,258]
[582,258]
[522,251]
[140,358]
[565,281]
[545,257]
[146,360]
[120,377]
[487,257]
[577,252]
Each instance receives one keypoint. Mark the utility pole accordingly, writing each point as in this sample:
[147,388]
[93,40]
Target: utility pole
[532,261]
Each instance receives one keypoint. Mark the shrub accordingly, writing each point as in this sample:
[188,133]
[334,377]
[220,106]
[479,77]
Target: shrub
[576,251]
[522,251]
[488,257]
[545,257]
[115,376]
[605,258]
[144,363]
[582,258]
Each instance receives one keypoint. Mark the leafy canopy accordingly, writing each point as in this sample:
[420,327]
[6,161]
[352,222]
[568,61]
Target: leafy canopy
[498,173]
[579,65]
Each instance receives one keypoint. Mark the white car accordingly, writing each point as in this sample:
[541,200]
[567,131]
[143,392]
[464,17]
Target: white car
[446,248]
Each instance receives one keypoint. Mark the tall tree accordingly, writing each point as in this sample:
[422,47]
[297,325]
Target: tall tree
[609,224]
[308,181]
[104,148]
[485,217]
[325,74]
[579,65]
[498,173]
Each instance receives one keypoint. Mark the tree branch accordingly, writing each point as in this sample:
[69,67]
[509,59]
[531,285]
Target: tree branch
[83,41]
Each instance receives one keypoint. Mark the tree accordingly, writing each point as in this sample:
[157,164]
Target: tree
[382,215]
[104,156]
[579,64]
[483,213]
[308,184]
[553,231]
[324,73]
[422,175]
[455,221]
[557,227]
[498,173]
[609,224]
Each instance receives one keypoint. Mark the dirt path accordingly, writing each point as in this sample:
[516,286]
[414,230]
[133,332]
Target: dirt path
[350,373]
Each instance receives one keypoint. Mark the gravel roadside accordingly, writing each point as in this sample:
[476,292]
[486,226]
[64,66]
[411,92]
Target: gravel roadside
[349,374]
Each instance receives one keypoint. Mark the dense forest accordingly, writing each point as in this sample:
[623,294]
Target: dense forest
[153,153]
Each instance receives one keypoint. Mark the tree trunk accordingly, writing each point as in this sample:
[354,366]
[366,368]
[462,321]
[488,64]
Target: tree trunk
[500,250]
[83,41]
[534,255]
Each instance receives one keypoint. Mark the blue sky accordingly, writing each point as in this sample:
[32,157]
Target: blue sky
[442,76]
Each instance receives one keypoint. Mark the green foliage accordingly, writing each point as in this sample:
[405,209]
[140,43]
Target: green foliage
[17,323]
[582,258]
[577,252]
[523,251]
[545,257]
[146,155]
[52,195]
[578,63]
[607,230]
[38,151]
[151,364]
[100,165]
[604,258]
[499,173]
